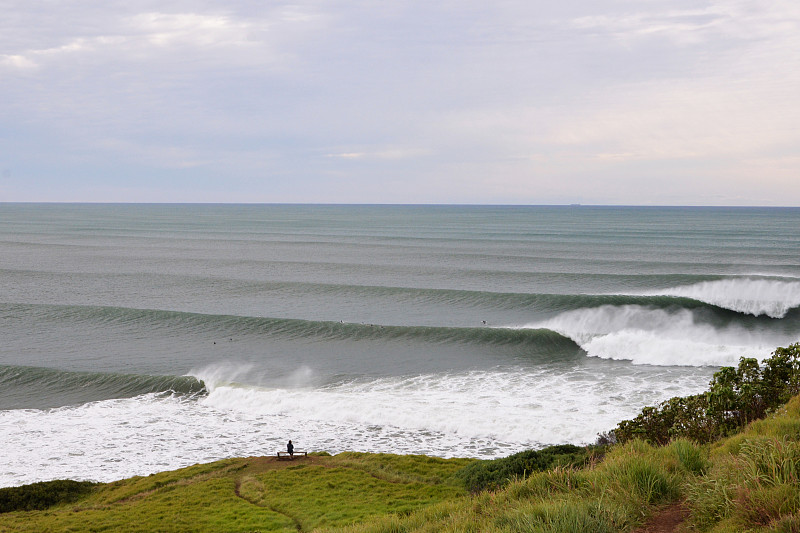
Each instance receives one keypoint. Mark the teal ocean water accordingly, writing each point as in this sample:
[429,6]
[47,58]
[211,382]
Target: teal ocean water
[139,338]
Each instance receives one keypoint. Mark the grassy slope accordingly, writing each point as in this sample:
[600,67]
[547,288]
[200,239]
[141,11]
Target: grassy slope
[754,483]
[748,482]
[255,494]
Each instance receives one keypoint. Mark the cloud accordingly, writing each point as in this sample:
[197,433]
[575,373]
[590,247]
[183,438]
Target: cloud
[736,20]
[157,37]
[507,101]
[686,27]
[390,153]
[17,62]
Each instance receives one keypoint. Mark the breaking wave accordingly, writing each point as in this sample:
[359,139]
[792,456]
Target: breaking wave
[663,337]
[753,296]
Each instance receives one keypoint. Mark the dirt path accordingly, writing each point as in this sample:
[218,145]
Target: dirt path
[666,520]
[257,465]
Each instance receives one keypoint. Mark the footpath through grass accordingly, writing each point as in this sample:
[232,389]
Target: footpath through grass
[252,494]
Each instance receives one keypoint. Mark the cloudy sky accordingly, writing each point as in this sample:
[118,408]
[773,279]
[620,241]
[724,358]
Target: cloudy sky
[528,102]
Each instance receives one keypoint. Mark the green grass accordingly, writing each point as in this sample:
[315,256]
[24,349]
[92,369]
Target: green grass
[316,496]
[754,484]
[748,482]
[254,494]
[404,468]
[614,495]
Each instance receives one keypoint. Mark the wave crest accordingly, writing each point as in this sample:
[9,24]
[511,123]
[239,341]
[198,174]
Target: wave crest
[754,296]
[662,337]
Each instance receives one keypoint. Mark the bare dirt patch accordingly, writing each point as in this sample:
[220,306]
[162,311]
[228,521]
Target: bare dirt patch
[666,520]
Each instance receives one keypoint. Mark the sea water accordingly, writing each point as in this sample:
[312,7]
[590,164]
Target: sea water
[141,338]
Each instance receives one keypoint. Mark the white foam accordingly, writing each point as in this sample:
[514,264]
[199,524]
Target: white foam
[474,414]
[753,296]
[661,337]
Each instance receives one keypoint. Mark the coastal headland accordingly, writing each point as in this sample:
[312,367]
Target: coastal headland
[746,480]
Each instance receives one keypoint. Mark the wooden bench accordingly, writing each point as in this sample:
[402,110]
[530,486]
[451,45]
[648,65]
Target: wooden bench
[286,456]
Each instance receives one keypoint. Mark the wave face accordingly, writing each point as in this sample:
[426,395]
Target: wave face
[174,322]
[19,385]
[136,338]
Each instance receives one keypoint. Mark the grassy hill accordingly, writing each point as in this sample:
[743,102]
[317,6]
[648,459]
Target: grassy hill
[253,494]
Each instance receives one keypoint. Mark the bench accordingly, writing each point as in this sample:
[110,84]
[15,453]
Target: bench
[286,456]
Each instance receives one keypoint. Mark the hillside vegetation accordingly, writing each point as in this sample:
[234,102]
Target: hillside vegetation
[742,476]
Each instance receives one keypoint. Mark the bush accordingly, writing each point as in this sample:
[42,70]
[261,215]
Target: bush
[38,496]
[495,473]
[736,397]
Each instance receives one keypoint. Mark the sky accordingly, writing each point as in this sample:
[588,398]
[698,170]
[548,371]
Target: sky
[635,102]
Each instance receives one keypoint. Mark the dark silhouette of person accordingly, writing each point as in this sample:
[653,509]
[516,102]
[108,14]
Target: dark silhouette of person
[290,448]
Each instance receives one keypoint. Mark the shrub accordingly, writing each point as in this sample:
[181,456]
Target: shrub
[736,397]
[495,473]
[38,496]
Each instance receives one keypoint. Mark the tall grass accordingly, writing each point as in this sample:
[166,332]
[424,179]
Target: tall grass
[755,481]
[613,495]
[561,517]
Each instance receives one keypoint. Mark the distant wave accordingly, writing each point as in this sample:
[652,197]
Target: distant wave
[656,330]
[232,325]
[755,296]
[772,296]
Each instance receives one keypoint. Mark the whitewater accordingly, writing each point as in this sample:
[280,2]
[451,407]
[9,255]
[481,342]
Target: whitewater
[143,338]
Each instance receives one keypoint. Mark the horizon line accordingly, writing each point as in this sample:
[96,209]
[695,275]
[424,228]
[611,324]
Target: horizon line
[399,204]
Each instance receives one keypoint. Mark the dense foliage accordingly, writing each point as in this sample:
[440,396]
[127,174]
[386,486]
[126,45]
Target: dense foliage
[736,397]
[495,473]
[38,496]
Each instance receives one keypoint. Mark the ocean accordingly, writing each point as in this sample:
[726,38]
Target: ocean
[142,338]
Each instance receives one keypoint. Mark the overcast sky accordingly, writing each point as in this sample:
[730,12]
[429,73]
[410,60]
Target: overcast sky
[527,102]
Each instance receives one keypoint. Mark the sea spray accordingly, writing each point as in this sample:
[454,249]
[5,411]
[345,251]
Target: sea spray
[472,414]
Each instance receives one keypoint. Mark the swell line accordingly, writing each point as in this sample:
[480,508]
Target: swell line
[233,325]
